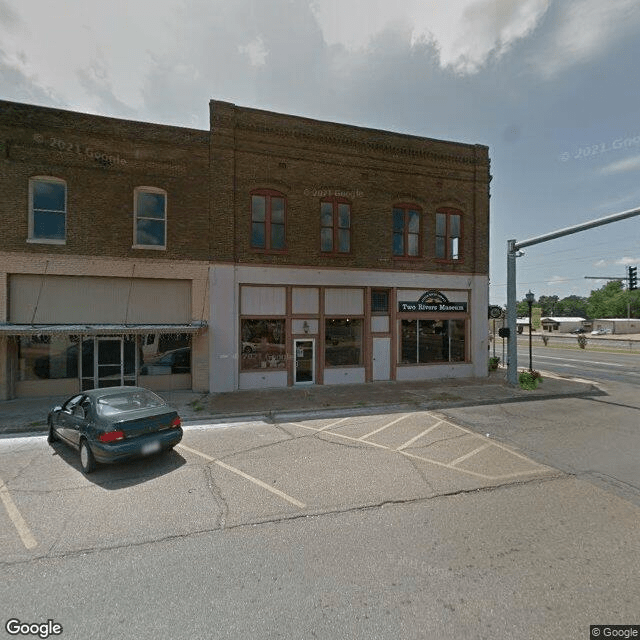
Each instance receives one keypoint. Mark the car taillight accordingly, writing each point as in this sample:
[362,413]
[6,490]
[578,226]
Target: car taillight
[111,436]
[176,422]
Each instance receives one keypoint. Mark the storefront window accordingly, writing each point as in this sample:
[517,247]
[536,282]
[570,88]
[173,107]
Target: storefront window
[263,344]
[48,357]
[343,342]
[429,341]
[162,354]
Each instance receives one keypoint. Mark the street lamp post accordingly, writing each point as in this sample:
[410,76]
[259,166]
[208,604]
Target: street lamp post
[530,298]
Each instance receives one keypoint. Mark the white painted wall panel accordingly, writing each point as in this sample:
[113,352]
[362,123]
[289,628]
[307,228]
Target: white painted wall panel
[297,327]
[305,300]
[259,380]
[343,302]
[344,376]
[263,301]
[47,299]
[380,324]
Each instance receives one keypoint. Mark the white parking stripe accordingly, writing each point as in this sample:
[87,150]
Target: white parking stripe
[410,442]
[332,424]
[246,476]
[23,530]
[536,467]
[468,455]
[384,427]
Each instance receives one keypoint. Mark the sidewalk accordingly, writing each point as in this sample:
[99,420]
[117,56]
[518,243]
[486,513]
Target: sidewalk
[29,415]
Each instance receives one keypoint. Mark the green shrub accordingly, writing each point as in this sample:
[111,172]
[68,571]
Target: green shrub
[529,380]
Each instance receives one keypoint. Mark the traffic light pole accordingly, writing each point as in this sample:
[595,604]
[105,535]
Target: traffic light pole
[513,252]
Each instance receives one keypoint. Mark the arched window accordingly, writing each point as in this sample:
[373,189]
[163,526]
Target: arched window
[407,225]
[47,210]
[268,220]
[335,225]
[448,234]
[150,218]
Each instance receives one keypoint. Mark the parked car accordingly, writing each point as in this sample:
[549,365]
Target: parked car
[599,332]
[115,424]
[578,330]
[176,361]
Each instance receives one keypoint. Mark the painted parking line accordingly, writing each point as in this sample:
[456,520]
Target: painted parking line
[466,456]
[408,443]
[18,521]
[383,427]
[453,465]
[246,476]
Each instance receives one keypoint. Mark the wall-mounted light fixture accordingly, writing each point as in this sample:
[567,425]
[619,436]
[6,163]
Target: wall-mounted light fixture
[305,327]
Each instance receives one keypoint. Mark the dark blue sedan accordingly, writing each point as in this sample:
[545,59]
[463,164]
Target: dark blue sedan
[115,424]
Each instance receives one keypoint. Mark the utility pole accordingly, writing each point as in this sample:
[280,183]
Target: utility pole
[513,252]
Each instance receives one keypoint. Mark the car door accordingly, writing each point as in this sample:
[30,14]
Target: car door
[64,418]
[78,420]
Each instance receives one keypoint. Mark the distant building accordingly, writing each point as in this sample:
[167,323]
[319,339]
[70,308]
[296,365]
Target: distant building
[562,324]
[618,325]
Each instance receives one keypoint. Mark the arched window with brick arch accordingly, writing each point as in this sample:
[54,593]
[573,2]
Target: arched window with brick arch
[335,225]
[268,220]
[407,230]
[448,234]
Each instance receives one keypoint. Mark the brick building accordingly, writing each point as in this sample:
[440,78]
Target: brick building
[275,250]
[104,253]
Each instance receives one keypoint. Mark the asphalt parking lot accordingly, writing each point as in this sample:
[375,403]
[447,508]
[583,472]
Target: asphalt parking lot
[226,475]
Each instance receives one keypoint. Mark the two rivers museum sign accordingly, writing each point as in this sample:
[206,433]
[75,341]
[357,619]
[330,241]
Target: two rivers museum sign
[432,302]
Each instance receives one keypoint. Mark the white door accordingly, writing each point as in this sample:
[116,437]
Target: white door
[381,358]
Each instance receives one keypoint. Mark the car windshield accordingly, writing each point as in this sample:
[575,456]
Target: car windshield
[128,401]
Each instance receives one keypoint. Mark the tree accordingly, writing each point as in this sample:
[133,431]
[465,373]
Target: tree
[548,305]
[572,307]
[612,301]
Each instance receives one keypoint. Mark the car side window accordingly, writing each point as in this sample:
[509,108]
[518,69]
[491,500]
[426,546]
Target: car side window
[86,405]
[73,402]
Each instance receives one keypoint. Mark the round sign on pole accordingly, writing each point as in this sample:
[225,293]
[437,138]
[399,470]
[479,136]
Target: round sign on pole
[495,312]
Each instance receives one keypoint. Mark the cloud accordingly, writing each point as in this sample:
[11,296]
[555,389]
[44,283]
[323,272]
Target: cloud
[8,17]
[97,84]
[581,30]
[488,28]
[25,86]
[466,33]
[627,261]
[622,166]
[256,52]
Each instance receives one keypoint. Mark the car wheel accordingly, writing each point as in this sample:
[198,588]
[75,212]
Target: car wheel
[87,461]
[53,436]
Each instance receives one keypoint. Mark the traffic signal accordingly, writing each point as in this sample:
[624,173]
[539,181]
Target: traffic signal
[633,279]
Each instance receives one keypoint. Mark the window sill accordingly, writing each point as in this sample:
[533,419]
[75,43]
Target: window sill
[153,247]
[272,252]
[408,258]
[45,241]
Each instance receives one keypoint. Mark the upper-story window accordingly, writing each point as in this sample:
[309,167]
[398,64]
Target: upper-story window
[150,218]
[268,220]
[335,225]
[406,230]
[448,234]
[47,210]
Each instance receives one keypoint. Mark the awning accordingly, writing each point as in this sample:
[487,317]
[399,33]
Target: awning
[98,329]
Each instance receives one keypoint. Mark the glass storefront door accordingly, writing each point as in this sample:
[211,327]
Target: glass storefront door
[304,361]
[108,361]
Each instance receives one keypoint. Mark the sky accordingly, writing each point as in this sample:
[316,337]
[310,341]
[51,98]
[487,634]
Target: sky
[552,87]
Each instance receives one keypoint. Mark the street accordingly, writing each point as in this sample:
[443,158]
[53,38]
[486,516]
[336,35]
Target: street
[398,525]
[593,364]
